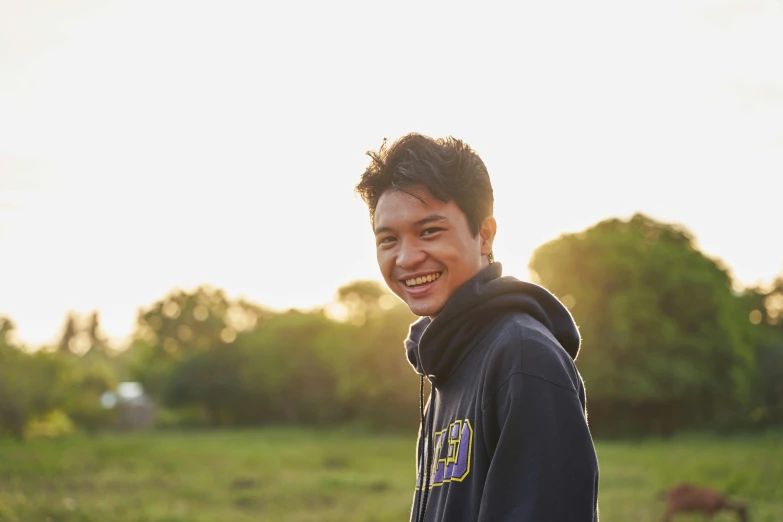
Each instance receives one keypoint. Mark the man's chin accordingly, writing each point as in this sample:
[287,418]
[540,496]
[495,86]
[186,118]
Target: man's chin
[425,309]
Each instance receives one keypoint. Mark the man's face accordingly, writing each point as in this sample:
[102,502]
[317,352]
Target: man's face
[425,247]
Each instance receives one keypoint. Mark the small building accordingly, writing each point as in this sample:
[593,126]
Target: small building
[135,410]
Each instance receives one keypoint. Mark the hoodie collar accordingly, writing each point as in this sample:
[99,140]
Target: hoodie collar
[436,347]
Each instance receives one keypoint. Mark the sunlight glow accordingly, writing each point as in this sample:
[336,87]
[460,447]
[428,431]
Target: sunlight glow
[222,147]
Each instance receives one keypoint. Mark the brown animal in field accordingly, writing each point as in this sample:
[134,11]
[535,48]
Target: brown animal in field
[687,498]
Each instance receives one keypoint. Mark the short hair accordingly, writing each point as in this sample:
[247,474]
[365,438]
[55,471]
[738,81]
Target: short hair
[448,168]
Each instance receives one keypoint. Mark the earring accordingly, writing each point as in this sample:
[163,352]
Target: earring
[491,258]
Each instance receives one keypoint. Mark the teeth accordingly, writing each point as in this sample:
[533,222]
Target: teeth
[424,279]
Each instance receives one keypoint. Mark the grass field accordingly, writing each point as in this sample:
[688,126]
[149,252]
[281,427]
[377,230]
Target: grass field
[291,475]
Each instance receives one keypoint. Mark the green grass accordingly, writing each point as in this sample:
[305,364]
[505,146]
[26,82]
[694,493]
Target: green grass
[295,475]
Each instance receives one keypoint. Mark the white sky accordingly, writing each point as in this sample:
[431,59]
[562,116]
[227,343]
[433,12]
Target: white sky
[152,144]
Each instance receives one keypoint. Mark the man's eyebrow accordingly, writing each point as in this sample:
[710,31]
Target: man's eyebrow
[423,221]
[430,219]
[382,230]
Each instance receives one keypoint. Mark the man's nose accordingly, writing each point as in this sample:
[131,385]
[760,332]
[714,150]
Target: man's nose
[410,256]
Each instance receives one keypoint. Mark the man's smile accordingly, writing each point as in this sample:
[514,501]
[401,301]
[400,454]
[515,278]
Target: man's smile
[416,280]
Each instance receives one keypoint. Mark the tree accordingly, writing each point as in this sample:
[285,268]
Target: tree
[98,344]
[375,382]
[30,384]
[182,324]
[363,300]
[308,368]
[69,334]
[665,341]
[764,309]
[7,327]
[209,380]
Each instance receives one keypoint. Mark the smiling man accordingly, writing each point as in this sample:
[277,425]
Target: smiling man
[505,436]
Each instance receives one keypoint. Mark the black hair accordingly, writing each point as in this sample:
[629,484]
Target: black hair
[448,168]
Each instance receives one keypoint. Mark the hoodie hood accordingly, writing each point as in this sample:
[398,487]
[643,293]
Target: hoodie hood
[436,347]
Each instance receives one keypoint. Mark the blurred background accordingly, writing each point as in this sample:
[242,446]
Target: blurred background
[192,322]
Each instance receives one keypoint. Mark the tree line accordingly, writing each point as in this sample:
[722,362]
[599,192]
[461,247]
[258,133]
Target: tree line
[669,344]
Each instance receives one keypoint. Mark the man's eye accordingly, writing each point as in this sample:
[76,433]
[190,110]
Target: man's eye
[386,240]
[430,231]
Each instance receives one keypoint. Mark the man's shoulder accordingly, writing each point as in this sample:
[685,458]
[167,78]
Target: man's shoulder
[518,343]
[517,333]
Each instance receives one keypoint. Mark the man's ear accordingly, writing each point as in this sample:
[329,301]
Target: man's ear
[489,228]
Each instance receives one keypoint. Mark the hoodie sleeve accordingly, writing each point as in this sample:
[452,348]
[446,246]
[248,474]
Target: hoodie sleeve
[543,465]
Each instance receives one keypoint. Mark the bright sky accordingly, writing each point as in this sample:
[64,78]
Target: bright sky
[152,144]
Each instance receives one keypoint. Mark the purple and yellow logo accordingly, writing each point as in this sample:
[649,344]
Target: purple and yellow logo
[454,449]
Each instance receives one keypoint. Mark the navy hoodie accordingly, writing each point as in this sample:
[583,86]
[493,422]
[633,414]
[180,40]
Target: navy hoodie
[505,435]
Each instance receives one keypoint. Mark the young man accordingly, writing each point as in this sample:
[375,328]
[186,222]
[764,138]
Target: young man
[505,435]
